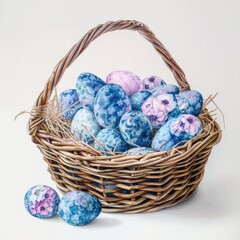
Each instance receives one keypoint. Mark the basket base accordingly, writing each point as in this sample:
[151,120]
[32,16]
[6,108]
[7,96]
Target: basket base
[145,202]
[151,208]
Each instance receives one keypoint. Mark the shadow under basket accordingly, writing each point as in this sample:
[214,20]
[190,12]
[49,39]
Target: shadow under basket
[128,184]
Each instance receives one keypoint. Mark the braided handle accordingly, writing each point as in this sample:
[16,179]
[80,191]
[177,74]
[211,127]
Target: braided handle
[79,47]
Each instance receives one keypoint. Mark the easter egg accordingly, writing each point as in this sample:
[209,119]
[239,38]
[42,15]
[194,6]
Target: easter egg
[163,139]
[41,201]
[190,102]
[138,151]
[152,82]
[110,104]
[138,98]
[163,89]
[87,87]
[110,140]
[84,126]
[129,81]
[79,208]
[68,103]
[136,129]
[182,128]
[159,109]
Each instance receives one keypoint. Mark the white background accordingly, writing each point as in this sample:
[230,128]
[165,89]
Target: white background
[203,37]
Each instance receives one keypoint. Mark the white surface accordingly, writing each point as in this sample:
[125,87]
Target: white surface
[202,36]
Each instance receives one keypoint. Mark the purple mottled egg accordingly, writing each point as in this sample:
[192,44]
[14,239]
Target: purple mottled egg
[190,102]
[176,131]
[159,109]
[136,129]
[69,103]
[41,201]
[110,104]
[152,82]
[167,88]
[87,87]
[129,81]
[110,140]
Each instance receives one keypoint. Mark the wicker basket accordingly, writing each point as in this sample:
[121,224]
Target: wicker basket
[128,184]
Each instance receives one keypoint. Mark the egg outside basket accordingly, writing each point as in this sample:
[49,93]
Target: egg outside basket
[128,184]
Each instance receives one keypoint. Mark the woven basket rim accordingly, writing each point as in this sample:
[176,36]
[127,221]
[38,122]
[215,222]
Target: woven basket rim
[114,161]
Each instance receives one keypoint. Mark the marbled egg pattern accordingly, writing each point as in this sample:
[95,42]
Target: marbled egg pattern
[138,98]
[129,81]
[69,103]
[159,109]
[136,129]
[150,82]
[87,87]
[190,102]
[85,118]
[41,201]
[163,89]
[79,208]
[163,139]
[110,104]
[110,140]
[181,128]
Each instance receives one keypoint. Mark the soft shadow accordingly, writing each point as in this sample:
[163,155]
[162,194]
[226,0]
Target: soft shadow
[104,222]
[56,218]
[100,222]
[204,204]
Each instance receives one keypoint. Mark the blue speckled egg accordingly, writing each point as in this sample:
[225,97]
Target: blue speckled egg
[79,208]
[150,82]
[87,87]
[110,104]
[176,130]
[159,109]
[138,151]
[41,201]
[138,98]
[136,129]
[163,89]
[69,103]
[84,126]
[190,102]
[110,140]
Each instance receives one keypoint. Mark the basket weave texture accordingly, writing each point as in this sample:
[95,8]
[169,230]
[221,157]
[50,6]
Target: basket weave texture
[129,184]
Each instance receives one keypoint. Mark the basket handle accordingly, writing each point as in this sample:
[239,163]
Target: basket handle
[39,109]
[80,46]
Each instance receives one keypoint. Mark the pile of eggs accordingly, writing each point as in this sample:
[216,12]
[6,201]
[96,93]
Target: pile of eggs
[128,115]
[75,207]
